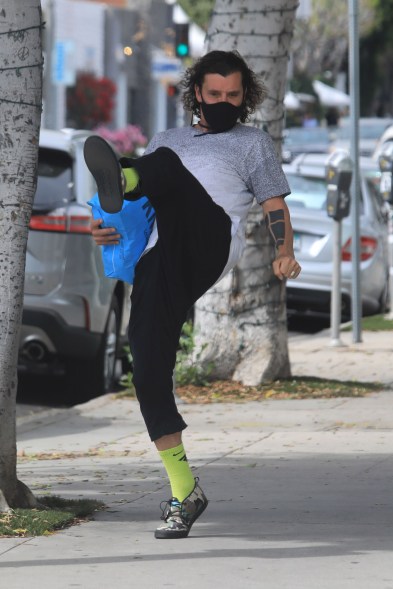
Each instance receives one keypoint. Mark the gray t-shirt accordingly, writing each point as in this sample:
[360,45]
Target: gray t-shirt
[234,168]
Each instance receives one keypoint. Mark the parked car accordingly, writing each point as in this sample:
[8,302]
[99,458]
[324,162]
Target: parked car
[370,131]
[386,137]
[74,318]
[297,140]
[313,240]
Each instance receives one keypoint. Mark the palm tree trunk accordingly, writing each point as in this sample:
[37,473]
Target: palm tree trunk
[20,114]
[240,324]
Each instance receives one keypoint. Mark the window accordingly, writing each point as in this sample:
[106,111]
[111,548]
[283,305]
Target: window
[304,135]
[307,192]
[54,183]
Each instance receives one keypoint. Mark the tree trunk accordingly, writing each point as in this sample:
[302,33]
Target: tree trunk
[240,323]
[20,114]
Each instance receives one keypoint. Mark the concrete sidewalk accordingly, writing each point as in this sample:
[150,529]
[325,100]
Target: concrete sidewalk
[300,491]
[371,360]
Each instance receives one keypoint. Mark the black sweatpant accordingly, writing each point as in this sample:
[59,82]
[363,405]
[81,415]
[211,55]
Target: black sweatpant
[190,255]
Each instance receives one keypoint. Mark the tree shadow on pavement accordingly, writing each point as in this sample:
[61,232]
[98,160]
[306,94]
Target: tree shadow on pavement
[271,507]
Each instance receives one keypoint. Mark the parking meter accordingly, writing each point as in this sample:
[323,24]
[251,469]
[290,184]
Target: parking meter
[385,161]
[338,177]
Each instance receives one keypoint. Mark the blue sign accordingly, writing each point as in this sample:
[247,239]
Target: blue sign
[63,71]
[165,67]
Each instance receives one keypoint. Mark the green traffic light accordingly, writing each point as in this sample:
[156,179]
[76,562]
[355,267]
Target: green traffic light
[182,50]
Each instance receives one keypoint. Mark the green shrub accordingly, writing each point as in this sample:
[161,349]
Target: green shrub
[188,369]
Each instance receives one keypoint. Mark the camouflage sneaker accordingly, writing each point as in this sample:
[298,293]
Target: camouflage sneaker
[179,516]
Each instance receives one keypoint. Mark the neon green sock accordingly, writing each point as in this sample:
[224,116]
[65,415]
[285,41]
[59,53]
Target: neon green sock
[132,179]
[179,472]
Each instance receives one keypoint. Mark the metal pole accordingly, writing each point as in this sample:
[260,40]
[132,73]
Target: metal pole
[355,187]
[390,246]
[50,119]
[122,99]
[335,305]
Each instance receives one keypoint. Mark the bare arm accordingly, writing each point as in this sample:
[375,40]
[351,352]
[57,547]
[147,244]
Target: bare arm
[278,223]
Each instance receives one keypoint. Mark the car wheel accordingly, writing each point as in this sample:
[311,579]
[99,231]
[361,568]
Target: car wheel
[88,379]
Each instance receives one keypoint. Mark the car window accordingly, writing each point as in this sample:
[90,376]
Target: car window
[310,192]
[54,182]
[368,131]
[306,192]
[305,135]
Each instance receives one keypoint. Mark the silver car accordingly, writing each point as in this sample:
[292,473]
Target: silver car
[297,140]
[74,319]
[311,292]
[370,131]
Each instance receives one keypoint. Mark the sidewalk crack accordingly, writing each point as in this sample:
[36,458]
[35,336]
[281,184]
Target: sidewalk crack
[15,546]
[248,445]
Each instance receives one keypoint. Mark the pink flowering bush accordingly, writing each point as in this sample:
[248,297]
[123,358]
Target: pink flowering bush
[126,141]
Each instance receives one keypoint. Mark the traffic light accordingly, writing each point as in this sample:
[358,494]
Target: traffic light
[182,48]
[172,90]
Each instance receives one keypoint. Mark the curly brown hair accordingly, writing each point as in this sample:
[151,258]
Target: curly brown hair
[223,63]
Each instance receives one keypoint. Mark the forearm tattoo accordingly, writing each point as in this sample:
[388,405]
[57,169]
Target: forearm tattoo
[275,223]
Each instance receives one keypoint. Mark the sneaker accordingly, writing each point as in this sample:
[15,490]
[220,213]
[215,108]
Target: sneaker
[107,172]
[179,516]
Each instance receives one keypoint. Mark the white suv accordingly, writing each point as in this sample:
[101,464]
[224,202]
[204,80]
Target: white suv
[74,319]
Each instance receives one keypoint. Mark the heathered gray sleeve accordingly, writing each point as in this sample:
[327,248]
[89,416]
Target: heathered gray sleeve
[266,178]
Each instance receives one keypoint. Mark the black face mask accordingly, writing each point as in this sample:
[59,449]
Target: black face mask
[220,116]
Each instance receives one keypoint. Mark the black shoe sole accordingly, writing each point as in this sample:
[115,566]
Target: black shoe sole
[168,535]
[105,168]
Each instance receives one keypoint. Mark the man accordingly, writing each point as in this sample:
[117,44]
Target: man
[201,181]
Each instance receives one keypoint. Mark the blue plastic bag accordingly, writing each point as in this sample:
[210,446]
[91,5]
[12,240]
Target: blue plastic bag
[134,223]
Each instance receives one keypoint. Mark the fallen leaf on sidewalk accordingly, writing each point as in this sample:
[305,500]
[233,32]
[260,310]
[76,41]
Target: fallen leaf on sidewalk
[221,391]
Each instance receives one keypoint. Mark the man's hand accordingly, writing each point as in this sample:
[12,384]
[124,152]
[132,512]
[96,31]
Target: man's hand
[107,236]
[285,266]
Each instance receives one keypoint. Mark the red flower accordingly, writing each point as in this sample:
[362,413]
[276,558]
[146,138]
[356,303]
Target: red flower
[90,101]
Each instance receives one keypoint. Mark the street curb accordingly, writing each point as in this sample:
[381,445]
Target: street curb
[29,422]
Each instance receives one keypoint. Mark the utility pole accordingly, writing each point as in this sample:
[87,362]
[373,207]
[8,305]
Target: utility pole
[354,135]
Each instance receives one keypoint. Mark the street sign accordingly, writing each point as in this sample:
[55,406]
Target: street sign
[166,69]
[63,69]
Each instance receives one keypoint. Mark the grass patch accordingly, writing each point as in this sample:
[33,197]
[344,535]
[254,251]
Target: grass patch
[56,513]
[293,388]
[374,323]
